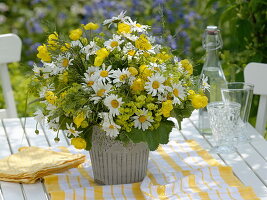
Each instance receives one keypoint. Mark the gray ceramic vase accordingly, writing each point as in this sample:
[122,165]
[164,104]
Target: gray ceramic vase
[114,162]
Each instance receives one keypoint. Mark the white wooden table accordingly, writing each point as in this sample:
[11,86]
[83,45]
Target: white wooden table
[249,163]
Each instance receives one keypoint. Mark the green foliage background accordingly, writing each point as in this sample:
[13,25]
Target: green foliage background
[179,23]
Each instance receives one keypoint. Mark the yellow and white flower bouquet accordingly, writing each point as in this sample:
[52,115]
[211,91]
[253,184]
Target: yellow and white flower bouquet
[120,80]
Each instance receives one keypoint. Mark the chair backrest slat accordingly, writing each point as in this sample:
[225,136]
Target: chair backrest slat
[10,51]
[256,73]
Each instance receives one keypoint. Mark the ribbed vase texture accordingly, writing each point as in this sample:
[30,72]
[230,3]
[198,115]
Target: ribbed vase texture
[114,162]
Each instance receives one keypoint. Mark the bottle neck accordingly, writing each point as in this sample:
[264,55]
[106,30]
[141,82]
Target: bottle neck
[212,58]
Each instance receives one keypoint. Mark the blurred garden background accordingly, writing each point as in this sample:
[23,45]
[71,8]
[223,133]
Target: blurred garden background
[178,23]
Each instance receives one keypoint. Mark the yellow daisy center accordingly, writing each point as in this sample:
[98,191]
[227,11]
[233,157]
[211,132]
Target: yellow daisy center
[114,44]
[176,92]
[123,77]
[72,131]
[115,103]
[104,73]
[100,92]
[111,126]
[139,25]
[155,84]
[142,118]
[90,83]
[131,52]
[65,62]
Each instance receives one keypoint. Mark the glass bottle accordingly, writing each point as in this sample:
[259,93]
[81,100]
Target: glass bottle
[213,71]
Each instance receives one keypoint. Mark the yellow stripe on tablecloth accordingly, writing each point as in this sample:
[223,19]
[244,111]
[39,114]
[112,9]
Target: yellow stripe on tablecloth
[170,161]
[247,193]
[85,174]
[51,183]
[68,181]
[203,153]
[112,192]
[122,192]
[218,194]
[98,191]
[137,191]
[57,195]
[192,183]
[204,195]
[172,148]
[84,194]
[161,190]
[228,176]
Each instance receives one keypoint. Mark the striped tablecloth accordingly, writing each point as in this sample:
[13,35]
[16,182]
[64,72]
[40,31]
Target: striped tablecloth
[179,170]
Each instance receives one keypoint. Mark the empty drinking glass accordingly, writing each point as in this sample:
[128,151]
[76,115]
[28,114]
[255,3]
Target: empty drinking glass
[223,121]
[241,93]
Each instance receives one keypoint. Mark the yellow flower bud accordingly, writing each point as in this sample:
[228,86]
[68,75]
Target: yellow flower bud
[124,28]
[78,143]
[133,71]
[75,34]
[199,101]
[79,119]
[91,26]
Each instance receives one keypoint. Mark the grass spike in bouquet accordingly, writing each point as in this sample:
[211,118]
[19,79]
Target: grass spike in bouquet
[120,80]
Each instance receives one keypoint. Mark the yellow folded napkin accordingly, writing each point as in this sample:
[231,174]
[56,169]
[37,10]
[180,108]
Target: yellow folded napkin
[32,163]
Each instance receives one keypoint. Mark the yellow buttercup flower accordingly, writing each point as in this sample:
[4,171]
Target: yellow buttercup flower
[43,54]
[138,85]
[199,101]
[103,53]
[75,34]
[187,66]
[79,119]
[65,47]
[53,41]
[50,97]
[98,61]
[142,43]
[91,26]
[78,143]
[133,71]
[124,28]
[167,107]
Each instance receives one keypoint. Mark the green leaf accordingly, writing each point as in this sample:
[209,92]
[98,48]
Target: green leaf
[228,14]
[152,137]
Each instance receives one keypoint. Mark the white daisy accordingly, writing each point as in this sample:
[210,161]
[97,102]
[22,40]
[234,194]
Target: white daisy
[76,43]
[71,130]
[130,36]
[52,68]
[104,73]
[120,18]
[120,76]
[155,84]
[129,51]
[139,27]
[142,120]
[114,43]
[91,70]
[113,102]
[90,49]
[101,90]
[178,93]
[89,80]
[204,83]
[64,60]
[53,123]
[39,116]
[109,125]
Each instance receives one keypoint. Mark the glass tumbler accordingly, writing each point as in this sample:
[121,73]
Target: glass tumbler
[223,122]
[241,93]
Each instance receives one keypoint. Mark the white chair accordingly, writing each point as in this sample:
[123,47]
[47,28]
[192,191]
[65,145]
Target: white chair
[256,73]
[10,50]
